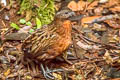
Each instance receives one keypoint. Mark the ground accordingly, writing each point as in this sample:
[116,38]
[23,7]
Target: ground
[95,49]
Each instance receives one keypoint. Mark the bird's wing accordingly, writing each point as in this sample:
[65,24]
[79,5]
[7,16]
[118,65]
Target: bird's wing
[40,40]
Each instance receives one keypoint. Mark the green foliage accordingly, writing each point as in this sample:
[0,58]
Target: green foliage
[25,5]
[28,23]
[15,26]
[90,0]
[46,11]
[22,21]
[43,10]
[38,23]
[31,30]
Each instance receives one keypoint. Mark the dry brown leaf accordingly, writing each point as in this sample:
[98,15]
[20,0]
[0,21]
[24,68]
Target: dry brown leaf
[77,6]
[113,23]
[57,76]
[73,6]
[98,10]
[81,5]
[114,39]
[1,49]
[28,77]
[115,79]
[112,3]
[117,8]
[92,5]
[108,58]
[93,37]
[7,72]
[28,15]
[87,47]
[89,19]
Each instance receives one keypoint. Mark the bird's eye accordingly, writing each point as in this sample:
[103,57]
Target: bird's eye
[66,12]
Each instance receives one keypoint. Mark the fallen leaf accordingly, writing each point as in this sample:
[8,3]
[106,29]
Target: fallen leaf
[98,10]
[116,79]
[73,6]
[81,5]
[28,15]
[77,6]
[108,58]
[24,29]
[1,49]
[89,19]
[112,3]
[7,72]
[113,23]
[92,5]
[114,39]
[58,76]
[103,1]
[28,77]
[117,8]
[92,37]
[87,47]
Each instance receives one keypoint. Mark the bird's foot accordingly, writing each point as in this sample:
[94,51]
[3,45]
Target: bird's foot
[48,73]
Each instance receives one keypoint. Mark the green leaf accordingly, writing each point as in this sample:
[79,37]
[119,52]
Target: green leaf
[15,26]
[31,30]
[28,23]
[38,22]
[22,21]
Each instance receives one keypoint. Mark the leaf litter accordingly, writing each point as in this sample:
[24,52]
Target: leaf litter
[95,52]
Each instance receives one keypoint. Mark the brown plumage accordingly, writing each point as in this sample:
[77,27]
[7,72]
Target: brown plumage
[49,41]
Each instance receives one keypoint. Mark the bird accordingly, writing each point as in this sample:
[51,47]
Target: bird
[49,41]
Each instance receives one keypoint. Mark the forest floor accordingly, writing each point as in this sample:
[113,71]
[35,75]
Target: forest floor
[95,49]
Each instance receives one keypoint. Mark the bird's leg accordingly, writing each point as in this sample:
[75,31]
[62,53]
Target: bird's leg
[19,59]
[48,73]
[65,55]
[34,68]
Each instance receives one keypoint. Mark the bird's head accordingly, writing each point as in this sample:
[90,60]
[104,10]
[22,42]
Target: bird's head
[64,14]
[62,18]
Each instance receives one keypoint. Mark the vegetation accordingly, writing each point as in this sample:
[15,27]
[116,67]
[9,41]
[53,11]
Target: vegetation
[38,9]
